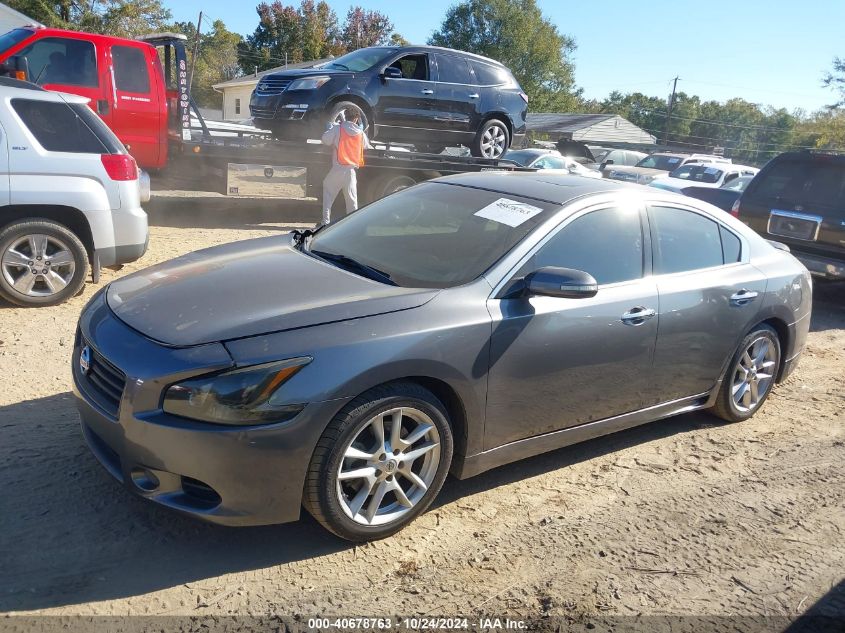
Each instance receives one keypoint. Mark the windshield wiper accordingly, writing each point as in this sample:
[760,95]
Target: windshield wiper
[353,265]
[300,238]
[341,66]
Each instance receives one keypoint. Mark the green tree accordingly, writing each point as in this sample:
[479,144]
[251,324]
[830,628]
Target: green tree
[516,33]
[217,60]
[123,18]
[396,39]
[835,80]
[365,28]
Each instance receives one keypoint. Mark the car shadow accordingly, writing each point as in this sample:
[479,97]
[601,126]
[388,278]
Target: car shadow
[191,210]
[828,306]
[70,534]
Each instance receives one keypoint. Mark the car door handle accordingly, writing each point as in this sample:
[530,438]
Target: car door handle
[742,297]
[474,95]
[427,92]
[638,315]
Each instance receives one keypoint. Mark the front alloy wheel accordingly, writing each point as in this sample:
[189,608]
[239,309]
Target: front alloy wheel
[380,462]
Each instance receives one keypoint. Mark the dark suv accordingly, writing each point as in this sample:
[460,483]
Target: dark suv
[798,198]
[423,95]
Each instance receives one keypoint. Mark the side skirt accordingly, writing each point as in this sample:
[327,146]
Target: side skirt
[514,451]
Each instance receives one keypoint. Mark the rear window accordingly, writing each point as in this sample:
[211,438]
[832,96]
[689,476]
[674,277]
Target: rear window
[130,69]
[59,127]
[487,75]
[806,182]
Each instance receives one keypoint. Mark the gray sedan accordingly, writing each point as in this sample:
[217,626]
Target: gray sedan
[454,326]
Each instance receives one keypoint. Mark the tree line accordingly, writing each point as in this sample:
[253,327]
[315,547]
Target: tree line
[515,32]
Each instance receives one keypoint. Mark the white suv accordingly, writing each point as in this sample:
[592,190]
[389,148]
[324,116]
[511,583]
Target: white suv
[70,196]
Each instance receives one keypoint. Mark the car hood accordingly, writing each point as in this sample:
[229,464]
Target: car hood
[308,72]
[245,289]
[646,171]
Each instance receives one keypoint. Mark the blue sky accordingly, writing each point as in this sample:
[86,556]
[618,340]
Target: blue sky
[766,51]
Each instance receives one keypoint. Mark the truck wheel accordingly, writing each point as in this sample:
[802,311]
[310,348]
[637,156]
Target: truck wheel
[42,263]
[380,462]
[390,183]
[491,141]
[344,111]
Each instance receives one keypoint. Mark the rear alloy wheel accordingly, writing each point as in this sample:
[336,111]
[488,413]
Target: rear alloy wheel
[750,377]
[380,463]
[41,263]
[491,141]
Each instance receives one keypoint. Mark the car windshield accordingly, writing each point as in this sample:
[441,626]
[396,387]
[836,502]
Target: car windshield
[698,173]
[523,157]
[10,39]
[601,154]
[660,161]
[357,61]
[432,235]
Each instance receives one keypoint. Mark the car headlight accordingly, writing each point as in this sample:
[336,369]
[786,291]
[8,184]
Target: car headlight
[645,179]
[241,396]
[308,83]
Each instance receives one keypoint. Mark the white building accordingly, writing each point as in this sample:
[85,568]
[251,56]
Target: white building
[11,19]
[237,91]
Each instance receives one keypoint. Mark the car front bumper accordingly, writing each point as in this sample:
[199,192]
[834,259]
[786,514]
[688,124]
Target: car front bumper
[288,108]
[224,474]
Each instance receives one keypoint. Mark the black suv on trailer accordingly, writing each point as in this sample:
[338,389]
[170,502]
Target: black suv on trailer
[798,198]
[424,95]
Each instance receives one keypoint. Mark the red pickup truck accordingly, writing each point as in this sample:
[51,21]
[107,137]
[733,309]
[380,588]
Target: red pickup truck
[123,79]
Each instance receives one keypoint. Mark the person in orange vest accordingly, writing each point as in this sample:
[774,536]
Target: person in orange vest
[349,140]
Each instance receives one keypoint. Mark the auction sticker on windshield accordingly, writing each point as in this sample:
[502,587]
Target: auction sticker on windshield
[510,212]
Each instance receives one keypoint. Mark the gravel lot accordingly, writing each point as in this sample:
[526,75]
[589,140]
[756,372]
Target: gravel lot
[683,516]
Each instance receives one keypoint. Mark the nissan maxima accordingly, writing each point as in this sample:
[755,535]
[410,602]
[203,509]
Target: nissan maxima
[451,327]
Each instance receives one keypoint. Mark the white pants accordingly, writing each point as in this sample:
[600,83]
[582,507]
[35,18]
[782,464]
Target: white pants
[339,179]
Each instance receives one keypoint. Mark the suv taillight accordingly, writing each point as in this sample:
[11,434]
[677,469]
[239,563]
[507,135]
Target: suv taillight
[120,166]
[735,208]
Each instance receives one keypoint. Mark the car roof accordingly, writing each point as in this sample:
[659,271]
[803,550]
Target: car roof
[538,151]
[27,90]
[442,49]
[555,188]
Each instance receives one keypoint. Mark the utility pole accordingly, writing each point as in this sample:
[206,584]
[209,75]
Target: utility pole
[669,113]
[194,56]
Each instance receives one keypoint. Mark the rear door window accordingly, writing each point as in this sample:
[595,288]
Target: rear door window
[487,75]
[684,241]
[130,69]
[64,61]
[453,70]
[810,183]
[58,127]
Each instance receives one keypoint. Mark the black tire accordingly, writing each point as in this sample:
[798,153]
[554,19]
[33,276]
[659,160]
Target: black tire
[726,407]
[74,276]
[346,108]
[322,493]
[497,129]
[389,183]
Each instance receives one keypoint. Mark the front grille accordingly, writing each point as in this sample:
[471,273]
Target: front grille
[262,113]
[103,382]
[271,86]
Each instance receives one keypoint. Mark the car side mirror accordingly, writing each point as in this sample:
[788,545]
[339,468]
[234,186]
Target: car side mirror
[391,72]
[16,67]
[566,283]
[607,162]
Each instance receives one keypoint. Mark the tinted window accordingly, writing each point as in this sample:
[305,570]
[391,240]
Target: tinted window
[684,241]
[731,246]
[130,69]
[804,182]
[607,243]
[487,75]
[54,60]
[413,67]
[58,127]
[521,157]
[452,70]
[550,162]
[362,59]
[431,235]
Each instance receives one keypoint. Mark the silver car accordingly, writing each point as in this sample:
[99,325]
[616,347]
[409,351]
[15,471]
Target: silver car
[454,326]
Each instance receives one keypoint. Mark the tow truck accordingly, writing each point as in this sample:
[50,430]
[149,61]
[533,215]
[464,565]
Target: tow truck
[140,88]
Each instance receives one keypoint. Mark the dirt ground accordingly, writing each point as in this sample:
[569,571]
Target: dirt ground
[683,516]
